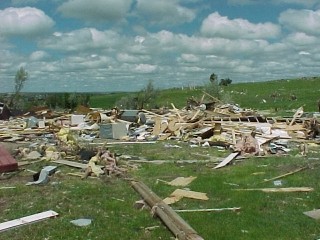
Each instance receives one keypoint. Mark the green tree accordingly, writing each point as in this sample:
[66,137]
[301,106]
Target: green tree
[225,82]
[19,81]
[213,78]
[147,96]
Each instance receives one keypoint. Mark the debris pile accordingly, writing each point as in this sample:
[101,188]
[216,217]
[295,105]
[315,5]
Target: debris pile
[53,136]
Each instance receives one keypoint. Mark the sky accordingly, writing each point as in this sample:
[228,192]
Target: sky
[122,45]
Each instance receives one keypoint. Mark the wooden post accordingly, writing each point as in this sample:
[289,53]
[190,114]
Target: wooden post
[171,219]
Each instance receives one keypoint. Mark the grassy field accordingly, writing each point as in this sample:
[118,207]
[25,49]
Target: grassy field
[109,201]
[274,96]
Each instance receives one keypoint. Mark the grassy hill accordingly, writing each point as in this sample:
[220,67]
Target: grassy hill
[275,96]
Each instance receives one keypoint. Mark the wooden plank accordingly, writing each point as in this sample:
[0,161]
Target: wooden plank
[270,190]
[209,210]
[181,193]
[284,175]
[315,214]
[27,220]
[71,163]
[227,160]
[297,114]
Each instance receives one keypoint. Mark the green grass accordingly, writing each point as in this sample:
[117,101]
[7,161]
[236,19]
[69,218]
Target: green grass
[109,201]
[256,95]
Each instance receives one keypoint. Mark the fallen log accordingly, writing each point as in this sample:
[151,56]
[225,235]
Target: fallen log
[171,219]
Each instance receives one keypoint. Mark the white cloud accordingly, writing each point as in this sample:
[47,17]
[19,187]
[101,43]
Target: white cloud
[189,58]
[145,68]
[128,58]
[81,40]
[306,21]
[96,10]
[38,56]
[164,12]
[216,25]
[24,21]
[302,39]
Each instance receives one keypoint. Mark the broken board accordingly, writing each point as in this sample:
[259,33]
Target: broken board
[315,214]
[227,160]
[27,220]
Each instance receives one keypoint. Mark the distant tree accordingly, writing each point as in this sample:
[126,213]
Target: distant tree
[213,78]
[225,82]
[19,80]
[146,95]
[145,98]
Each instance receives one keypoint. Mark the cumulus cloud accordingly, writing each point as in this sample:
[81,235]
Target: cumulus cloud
[306,21]
[216,25]
[24,21]
[96,10]
[189,58]
[301,39]
[145,68]
[38,55]
[128,58]
[81,40]
[164,12]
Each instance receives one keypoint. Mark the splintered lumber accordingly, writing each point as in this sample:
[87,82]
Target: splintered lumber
[227,160]
[297,114]
[178,194]
[151,113]
[284,175]
[171,219]
[214,98]
[270,190]
[27,220]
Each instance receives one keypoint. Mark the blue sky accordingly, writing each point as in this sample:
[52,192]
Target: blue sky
[120,45]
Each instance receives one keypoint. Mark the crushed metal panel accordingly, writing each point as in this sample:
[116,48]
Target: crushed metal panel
[7,162]
[113,130]
[129,115]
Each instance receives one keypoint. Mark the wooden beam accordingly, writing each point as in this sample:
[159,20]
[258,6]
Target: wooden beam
[172,220]
[27,220]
